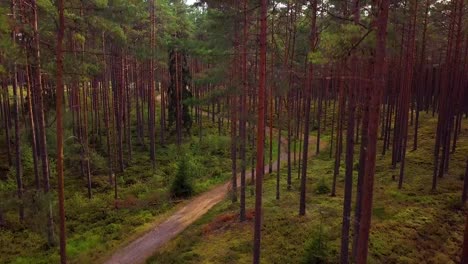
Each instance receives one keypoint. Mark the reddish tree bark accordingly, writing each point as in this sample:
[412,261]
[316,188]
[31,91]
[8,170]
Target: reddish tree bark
[260,132]
[374,112]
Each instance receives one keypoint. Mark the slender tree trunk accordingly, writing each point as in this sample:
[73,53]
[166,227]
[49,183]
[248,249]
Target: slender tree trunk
[243,120]
[106,105]
[234,148]
[289,104]
[128,83]
[85,141]
[163,115]
[151,124]
[308,96]
[260,132]
[339,137]
[333,124]
[120,101]
[18,164]
[319,118]
[362,164]
[278,162]
[420,73]
[354,87]
[59,112]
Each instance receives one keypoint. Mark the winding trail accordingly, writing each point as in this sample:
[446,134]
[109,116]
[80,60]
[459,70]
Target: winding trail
[144,247]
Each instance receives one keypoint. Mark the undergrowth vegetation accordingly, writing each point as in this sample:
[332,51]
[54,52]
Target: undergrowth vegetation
[411,225]
[97,226]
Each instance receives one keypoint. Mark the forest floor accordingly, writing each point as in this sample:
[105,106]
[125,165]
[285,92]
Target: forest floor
[143,247]
[102,224]
[409,225]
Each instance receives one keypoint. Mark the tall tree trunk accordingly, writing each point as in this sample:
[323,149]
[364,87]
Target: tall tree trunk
[85,141]
[260,170]
[151,125]
[120,102]
[420,73]
[362,162]
[339,136]
[349,172]
[374,112]
[18,165]
[243,119]
[289,103]
[270,99]
[407,87]
[59,112]
[319,118]
[106,105]
[333,121]
[278,162]
[234,107]
[354,87]
[289,109]
[128,81]
[308,96]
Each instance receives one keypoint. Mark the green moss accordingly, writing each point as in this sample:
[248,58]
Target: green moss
[380,213]
[82,244]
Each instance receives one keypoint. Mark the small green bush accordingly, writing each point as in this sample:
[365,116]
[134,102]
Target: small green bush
[322,187]
[316,249]
[182,186]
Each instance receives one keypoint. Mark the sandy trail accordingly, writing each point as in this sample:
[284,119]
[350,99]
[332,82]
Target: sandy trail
[144,247]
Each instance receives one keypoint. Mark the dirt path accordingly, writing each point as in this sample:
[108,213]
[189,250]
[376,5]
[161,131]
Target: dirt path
[144,247]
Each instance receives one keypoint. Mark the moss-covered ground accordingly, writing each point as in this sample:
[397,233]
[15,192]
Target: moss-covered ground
[411,225]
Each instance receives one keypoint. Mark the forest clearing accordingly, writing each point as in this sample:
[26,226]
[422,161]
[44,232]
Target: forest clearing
[233,131]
